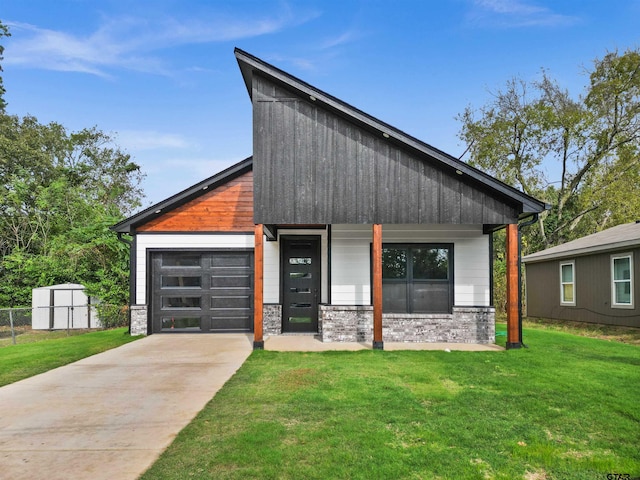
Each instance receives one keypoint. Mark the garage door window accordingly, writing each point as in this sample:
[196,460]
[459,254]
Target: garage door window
[181,281]
[184,323]
[180,260]
[181,302]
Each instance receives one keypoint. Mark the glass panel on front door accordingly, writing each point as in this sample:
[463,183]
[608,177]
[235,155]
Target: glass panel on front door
[300,284]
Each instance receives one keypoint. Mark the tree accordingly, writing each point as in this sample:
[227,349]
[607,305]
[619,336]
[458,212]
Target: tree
[59,192]
[4,32]
[581,155]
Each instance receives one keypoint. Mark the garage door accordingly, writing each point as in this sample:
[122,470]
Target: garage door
[195,291]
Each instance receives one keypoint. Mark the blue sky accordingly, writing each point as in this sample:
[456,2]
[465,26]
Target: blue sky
[160,75]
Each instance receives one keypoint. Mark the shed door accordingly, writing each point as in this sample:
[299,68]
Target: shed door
[197,291]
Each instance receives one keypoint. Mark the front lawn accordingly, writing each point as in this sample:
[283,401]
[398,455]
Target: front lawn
[566,408]
[28,359]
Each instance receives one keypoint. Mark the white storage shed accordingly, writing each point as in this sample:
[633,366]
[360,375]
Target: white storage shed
[62,306]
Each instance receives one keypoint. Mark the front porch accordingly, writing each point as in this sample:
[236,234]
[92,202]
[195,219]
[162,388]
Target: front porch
[347,306]
[349,323]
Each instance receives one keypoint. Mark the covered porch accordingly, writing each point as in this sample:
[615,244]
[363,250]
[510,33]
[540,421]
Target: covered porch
[339,308]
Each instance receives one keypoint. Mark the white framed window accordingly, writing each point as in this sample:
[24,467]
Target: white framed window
[622,280]
[568,283]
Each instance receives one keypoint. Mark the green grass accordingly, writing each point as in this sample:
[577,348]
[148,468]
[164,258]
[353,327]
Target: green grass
[36,355]
[565,408]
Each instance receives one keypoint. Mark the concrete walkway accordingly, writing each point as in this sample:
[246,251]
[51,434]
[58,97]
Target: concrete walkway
[110,416]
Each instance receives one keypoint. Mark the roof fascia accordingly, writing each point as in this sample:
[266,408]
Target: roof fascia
[248,63]
[128,225]
[579,252]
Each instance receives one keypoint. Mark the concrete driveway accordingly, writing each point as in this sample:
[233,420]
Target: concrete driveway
[110,416]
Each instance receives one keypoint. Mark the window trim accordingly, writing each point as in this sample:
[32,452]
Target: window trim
[613,258]
[572,282]
[451,271]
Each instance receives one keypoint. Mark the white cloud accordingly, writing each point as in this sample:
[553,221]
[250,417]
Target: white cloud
[342,39]
[516,13]
[320,54]
[133,140]
[130,42]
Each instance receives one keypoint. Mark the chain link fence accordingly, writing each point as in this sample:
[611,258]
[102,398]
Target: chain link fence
[14,321]
[20,320]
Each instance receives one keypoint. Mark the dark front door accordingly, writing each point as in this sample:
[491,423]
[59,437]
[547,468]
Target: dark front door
[300,284]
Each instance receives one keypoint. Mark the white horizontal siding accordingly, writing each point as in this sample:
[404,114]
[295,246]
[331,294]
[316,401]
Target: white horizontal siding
[271,272]
[351,270]
[350,264]
[145,242]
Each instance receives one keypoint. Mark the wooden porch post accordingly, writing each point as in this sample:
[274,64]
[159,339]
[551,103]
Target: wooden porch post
[258,277]
[513,291]
[377,287]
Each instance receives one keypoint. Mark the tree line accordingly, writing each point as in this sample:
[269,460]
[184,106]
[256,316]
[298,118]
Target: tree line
[579,153]
[60,192]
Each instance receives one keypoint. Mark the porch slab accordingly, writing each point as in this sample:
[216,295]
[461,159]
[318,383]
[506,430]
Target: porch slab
[309,343]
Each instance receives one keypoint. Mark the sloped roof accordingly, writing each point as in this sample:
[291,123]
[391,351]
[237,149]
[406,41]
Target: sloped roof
[128,225]
[615,238]
[250,64]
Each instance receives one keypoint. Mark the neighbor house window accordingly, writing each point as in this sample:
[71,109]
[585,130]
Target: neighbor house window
[622,280]
[567,283]
[417,278]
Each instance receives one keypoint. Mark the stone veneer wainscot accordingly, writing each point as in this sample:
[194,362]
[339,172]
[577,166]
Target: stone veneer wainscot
[355,324]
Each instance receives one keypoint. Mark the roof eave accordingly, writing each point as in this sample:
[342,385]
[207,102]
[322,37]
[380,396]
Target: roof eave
[579,252]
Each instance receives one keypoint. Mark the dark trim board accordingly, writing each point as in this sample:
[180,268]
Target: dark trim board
[133,270]
[491,285]
[328,263]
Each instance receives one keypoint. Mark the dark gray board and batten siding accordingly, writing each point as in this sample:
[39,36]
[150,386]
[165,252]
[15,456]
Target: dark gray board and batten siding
[312,166]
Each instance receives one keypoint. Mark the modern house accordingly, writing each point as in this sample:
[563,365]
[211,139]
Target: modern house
[339,225]
[592,279]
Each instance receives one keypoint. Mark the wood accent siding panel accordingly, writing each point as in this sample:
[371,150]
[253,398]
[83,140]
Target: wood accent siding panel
[314,167]
[351,268]
[592,291]
[227,208]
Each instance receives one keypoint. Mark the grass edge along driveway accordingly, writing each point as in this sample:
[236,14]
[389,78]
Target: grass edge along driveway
[21,361]
[566,408]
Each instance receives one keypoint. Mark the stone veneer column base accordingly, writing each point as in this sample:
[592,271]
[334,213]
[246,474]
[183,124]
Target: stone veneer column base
[138,319]
[272,319]
[346,323]
[355,324]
